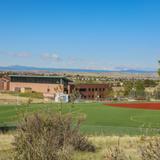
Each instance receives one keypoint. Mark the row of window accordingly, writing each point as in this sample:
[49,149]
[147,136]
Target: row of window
[90,89]
[38,80]
[90,97]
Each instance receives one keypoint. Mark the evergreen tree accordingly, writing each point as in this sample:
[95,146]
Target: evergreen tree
[159,68]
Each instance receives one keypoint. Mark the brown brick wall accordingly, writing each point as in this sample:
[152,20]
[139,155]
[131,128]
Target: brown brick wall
[1,85]
[38,87]
[4,84]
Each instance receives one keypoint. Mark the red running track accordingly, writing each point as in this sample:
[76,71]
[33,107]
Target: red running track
[149,106]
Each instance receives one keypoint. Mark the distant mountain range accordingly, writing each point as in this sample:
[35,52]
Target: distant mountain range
[30,68]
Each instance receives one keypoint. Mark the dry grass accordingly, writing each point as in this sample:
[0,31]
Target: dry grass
[12,99]
[6,141]
[129,144]
[6,146]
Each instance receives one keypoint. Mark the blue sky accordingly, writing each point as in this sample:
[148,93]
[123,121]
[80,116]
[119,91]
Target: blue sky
[91,34]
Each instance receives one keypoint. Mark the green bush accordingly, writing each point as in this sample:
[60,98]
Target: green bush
[31,94]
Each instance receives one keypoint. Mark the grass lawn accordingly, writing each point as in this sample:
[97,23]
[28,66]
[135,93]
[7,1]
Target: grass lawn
[100,119]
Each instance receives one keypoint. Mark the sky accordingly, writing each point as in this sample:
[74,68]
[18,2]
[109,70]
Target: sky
[85,34]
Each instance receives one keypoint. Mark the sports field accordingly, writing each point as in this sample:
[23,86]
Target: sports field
[148,106]
[100,119]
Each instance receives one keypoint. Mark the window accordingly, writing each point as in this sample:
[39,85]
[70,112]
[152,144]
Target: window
[32,79]
[82,89]
[93,89]
[17,89]
[48,90]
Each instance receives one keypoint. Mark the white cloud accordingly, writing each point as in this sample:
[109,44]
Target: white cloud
[16,54]
[21,54]
[51,57]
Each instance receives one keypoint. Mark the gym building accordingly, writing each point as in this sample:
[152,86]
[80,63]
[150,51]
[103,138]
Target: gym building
[43,84]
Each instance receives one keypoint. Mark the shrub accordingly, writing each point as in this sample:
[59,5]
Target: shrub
[81,143]
[116,153]
[49,137]
[151,149]
[31,94]
[27,94]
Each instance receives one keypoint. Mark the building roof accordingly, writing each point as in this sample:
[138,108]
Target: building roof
[4,79]
[38,76]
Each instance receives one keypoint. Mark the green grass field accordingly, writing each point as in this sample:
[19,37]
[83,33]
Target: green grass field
[100,119]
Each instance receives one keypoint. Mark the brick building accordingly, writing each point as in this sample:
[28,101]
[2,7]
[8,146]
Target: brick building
[43,84]
[92,91]
[4,84]
[50,86]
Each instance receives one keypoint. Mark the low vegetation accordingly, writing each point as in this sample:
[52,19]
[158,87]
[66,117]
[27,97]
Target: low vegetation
[115,153]
[49,137]
[150,150]
[28,94]
[119,148]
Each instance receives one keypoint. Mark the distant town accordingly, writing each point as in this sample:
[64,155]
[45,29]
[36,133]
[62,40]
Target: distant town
[86,86]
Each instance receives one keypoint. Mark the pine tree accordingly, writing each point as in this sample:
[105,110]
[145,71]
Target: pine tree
[159,68]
